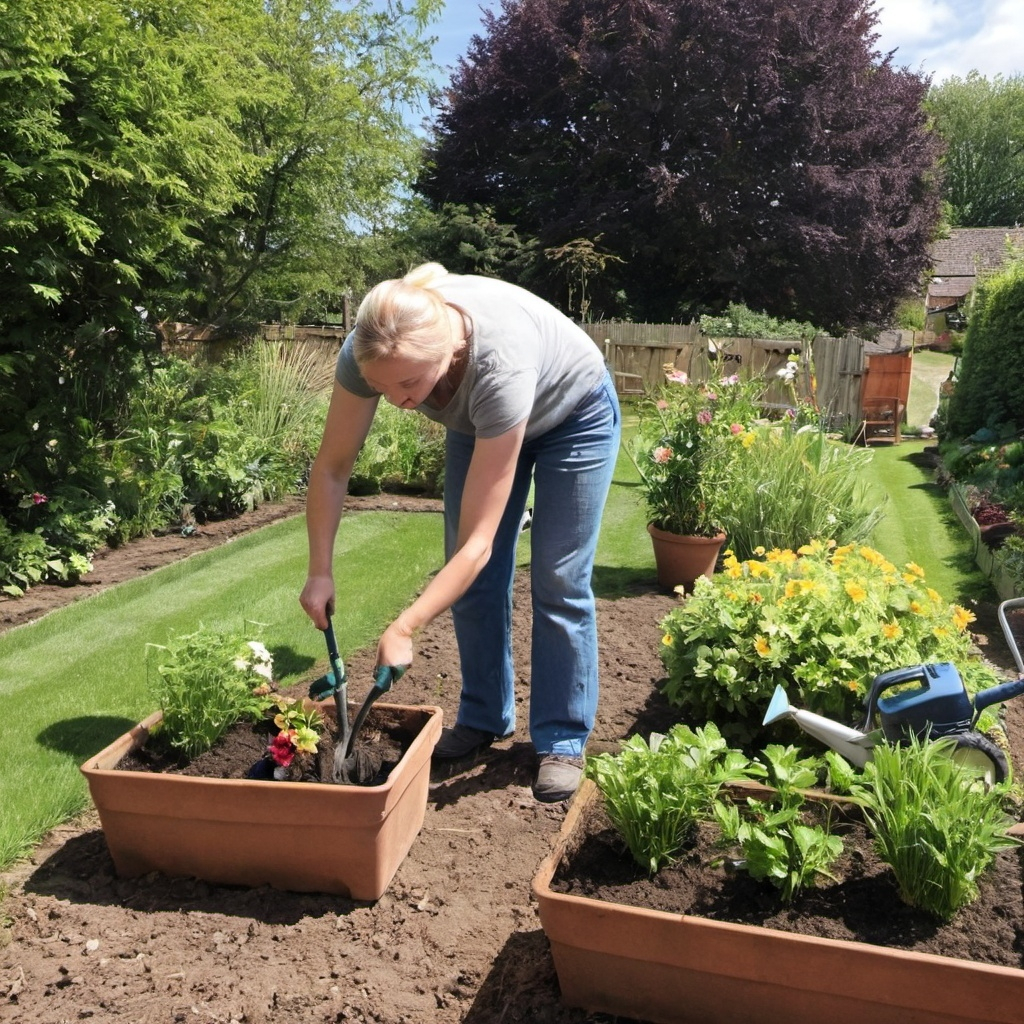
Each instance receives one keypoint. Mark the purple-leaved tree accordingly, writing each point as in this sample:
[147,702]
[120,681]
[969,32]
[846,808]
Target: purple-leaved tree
[759,151]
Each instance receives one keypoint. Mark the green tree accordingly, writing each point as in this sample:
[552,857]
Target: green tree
[321,121]
[116,138]
[164,158]
[982,125]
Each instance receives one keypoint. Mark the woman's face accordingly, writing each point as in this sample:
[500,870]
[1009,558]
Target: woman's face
[403,382]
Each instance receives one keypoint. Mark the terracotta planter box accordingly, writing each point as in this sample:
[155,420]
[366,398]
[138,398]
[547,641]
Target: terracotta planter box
[301,836]
[675,969]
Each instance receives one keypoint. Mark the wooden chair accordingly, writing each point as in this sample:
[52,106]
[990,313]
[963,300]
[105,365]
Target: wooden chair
[880,421]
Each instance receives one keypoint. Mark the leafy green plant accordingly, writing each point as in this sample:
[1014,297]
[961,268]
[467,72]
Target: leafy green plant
[54,539]
[1013,557]
[935,825]
[655,793]
[403,450]
[739,321]
[686,446]
[777,843]
[822,621]
[792,484]
[206,682]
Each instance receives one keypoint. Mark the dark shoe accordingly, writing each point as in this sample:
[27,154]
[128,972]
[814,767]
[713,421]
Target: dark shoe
[460,742]
[558,777]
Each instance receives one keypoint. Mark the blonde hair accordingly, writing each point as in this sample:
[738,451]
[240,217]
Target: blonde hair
[404,317]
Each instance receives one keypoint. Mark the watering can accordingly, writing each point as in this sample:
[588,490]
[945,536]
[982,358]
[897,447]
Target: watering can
[930,702]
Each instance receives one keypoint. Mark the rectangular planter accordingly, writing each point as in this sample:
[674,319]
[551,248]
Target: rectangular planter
[676,969]
[301,836]
[990,562]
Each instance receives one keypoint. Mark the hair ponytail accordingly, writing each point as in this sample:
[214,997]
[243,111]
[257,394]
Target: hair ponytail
[426,275]
[404,316]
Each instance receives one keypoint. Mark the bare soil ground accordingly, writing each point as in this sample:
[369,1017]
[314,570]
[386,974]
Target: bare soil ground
[456,937]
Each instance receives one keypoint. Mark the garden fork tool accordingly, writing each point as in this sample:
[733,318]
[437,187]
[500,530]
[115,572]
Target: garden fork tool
[359,766]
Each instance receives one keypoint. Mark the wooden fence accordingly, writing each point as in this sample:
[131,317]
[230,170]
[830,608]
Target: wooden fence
[831,373]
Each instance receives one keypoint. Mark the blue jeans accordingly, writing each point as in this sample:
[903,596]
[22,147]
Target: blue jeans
[571,468]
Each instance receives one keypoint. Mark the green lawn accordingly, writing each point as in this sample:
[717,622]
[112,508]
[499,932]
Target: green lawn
[920,525]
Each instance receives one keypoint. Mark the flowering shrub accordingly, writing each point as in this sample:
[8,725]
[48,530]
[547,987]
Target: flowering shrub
[685,448]
[821,621]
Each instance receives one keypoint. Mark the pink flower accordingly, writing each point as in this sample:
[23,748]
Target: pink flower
[38,499]
[281,749]
[736,428]
[734,379]
[704,417]
[790,414]
[678,377]
[662,404]
[661,455]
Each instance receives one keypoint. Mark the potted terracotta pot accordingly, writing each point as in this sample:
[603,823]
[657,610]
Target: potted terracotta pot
[681,559]
[301,836]
[677,969]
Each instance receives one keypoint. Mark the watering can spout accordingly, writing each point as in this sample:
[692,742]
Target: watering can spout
[854,745]
[779,708]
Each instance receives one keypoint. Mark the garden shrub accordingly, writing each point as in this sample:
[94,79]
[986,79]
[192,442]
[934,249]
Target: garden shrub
[989,391]
[404,451]
[822,621]
[738,321]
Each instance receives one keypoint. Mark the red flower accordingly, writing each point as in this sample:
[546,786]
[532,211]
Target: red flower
[38,499]
[281,749]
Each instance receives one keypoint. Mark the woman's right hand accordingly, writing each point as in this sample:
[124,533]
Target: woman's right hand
[316,598]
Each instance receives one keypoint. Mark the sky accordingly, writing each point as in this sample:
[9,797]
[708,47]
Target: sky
[940,38]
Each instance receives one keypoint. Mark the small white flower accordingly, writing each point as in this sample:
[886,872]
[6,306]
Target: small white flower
[260,652]
[265,671]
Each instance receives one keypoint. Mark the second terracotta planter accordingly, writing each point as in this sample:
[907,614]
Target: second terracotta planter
[676,969]
[680,559]
[301,836]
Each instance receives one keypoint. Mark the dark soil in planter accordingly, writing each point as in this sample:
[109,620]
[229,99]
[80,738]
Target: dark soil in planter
[863,905]
[241,753]
[454,940]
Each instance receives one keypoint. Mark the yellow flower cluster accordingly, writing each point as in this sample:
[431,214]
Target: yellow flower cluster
[803,576]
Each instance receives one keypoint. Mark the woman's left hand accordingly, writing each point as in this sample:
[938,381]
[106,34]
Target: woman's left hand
[395,646]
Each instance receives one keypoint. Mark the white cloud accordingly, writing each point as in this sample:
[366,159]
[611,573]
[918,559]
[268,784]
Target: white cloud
[953,37]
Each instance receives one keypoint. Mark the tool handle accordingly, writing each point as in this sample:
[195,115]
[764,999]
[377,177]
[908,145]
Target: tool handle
[332,643]
[996,694]
[385,675]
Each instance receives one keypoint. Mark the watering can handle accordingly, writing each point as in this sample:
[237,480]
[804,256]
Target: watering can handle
[997,694]
[883,682]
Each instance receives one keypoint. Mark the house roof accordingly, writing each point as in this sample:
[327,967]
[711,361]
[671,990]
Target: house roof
[957,260]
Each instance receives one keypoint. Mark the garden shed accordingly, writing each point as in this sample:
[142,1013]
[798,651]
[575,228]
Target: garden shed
[957,262]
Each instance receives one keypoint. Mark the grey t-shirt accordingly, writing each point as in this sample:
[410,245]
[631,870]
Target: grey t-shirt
[526,361]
